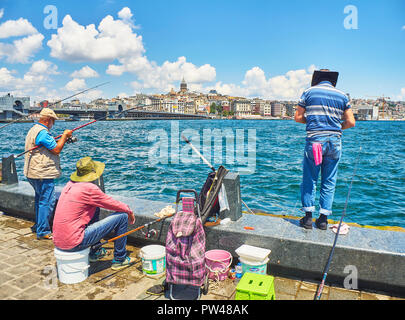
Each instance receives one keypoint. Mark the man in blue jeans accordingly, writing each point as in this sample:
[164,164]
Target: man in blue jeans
[41,167]
[326,112]
[76,225]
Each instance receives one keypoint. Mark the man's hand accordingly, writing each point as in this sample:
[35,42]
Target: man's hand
[131,217]
[300,115]
[67,133]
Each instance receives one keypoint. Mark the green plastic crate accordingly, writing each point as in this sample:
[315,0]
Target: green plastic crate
[254,286]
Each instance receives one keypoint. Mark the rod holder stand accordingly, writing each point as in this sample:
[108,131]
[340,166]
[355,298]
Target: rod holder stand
[8,170]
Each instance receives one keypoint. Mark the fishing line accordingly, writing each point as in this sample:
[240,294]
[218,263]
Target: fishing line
[325,273]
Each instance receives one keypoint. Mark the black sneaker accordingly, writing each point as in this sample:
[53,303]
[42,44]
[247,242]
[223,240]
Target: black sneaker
[306,222]
[322,222]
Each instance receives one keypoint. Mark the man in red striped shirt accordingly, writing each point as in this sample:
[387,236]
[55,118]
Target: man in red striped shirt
[76,224]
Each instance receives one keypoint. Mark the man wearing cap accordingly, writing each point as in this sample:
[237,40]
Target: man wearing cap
[326,112]
[76,225]
[41,167]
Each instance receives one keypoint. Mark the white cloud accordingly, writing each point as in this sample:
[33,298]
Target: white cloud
[33,83]
[255,84]
[126,15]
[76,85]
[401,96]
[85,72]
[403,27]
[113,39]
[1,12]
[16,28]
[20,50]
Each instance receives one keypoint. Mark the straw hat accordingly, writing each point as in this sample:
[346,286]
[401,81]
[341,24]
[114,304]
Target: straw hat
[87,170]
[47,112]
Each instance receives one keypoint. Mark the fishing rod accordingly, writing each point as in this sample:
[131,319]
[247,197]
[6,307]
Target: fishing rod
[209,164]
[325,272]
[74,95]
[77,128]
[99,245]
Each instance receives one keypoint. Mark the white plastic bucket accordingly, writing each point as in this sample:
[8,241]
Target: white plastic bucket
[259,267]
[153,260]
[73,267]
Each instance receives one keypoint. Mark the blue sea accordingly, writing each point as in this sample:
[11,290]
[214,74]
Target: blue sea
[148,159]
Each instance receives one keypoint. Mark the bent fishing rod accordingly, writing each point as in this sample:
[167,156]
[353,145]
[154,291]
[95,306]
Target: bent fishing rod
[74,95]
[77,128]
[325,272]
[99,245]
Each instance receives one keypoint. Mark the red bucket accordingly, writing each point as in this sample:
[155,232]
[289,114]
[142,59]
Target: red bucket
[218,262]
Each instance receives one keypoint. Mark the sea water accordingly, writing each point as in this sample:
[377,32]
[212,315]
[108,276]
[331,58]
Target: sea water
[148,159]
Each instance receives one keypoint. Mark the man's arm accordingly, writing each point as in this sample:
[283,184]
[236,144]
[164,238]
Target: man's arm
[300,115]
[61,142]
[348,119]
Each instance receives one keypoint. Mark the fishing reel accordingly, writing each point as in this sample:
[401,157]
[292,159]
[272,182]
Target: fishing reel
[151,233]
[72,140]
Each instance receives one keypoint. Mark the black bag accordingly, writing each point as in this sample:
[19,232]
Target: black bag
[202,197]
[209,204]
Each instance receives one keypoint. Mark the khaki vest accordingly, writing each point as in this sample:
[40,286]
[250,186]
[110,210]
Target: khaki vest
[40,163]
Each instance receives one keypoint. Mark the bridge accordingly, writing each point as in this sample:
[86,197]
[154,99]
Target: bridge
[79,113]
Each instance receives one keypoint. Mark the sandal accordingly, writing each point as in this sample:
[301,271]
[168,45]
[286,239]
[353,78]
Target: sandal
[156,290]
[118,265]
[99,254]
[46,237]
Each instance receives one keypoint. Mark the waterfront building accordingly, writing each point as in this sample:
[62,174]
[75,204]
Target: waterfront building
[266,110]
[241,107]
[366,112]
[276,109]
[13,107]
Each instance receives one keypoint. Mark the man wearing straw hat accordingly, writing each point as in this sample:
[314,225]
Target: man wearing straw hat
[41,167]
[76,225]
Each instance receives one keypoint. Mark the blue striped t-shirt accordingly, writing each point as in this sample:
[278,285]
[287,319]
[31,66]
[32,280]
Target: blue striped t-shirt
[324,107]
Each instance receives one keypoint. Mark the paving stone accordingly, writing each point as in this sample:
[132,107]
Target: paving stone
[8,291]
[16,260]
[286,286]
[343,294]
[4,277]
[134,289]
[223,288]
[32,293]
[26,281]
[284,296]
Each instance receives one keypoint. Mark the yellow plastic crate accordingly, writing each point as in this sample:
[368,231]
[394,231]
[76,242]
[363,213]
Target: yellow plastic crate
[254,286]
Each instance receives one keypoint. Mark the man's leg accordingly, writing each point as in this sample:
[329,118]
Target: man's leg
[328,180]
[308,186]
[46,204]
[117,222]
[34,183]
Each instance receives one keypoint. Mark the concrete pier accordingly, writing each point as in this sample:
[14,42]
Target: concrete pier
[376,256]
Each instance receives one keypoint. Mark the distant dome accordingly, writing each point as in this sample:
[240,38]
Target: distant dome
[213,91]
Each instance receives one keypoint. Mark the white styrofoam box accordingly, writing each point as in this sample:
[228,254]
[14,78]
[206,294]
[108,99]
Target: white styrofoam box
[252,253]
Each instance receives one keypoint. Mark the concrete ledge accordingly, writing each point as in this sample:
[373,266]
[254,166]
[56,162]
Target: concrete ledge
[379,256]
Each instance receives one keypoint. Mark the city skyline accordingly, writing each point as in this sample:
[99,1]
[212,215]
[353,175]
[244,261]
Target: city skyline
[268,50]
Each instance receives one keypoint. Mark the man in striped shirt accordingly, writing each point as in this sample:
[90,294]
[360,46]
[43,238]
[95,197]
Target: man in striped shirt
[326,112]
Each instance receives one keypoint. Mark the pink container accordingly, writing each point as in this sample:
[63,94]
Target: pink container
[188,204]
[218,262]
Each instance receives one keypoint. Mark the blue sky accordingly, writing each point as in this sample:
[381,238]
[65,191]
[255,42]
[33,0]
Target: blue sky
[249,48]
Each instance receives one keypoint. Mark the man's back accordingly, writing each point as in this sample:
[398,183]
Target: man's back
[324,107]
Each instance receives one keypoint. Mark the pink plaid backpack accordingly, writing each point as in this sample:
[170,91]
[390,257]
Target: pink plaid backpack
[185,245]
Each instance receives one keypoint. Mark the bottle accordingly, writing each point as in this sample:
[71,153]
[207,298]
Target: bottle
[238,270]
